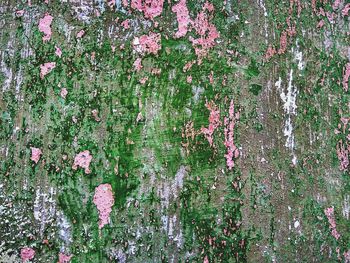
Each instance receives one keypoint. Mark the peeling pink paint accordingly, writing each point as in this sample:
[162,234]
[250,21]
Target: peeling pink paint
[183,18]
[81,33]
[346,77]
[63,258]
[27,254]
[329,212]
[138,64]
[45,26]
[36,153]
[58,51]
[232,150]
[46,68]
[346,10]
[64,93]
[150,8]
[83,160]
[104,200]
[214,122]
[148,44]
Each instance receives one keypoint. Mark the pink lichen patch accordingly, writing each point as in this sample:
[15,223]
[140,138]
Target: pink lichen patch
[148,44]
[150,8]
[346,77]
[329,212]
[214,122]
[103,199]
[138,64]
[81,33]
[232,150]
[283,43]
[36,154]
[346,10]
[27,254]
[82,160]
[63,258]
[183,18]
[125,24]
[64,93]
[45,26]
[46,68]
[58,51]
[343,155]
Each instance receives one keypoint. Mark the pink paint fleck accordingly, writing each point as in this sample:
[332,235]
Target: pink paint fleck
[346,10]
[111,3]
[188,65]
[19,13]
[143,80]
[36,153]
[214,122]
[64,93]
[206,260]
[81,33]
[148,44]
[95,115]
[45,26]
[232,150]
[329,212]
[27,254]
[82,160]
[189,79]
[150,8]
[183,18]
[46,68]
[138,64]
[63,258]
[346,77]
[125,24]
[283,43]
[270,52]
[347,256]
[336,4]
[320,24]
[103,199]
[58,51]
[343,155]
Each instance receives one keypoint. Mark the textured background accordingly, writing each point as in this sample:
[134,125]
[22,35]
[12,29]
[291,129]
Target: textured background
[215,131]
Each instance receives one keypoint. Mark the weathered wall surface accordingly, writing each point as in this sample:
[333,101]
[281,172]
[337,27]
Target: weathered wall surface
[174,131]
